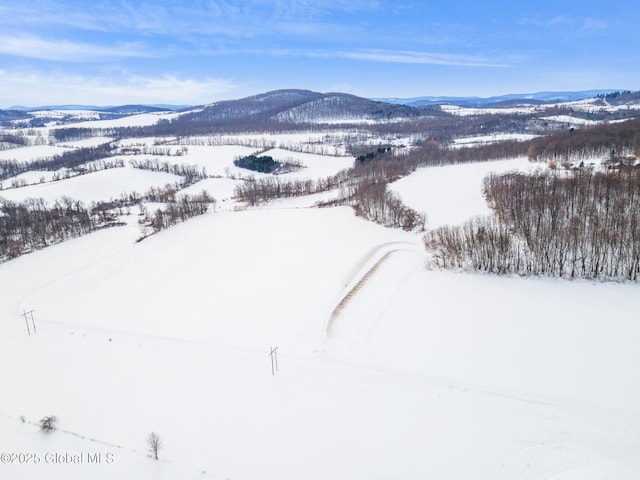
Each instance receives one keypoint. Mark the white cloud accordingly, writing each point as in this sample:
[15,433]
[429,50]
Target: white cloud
[378,55]
[39,88]
[592,25]
[227,17]
[568,24]
[28,46]
[425,58]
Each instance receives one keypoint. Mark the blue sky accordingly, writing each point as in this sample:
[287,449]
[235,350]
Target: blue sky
[195,52]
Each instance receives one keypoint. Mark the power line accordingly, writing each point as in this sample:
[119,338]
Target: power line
[274,360]
[26,320]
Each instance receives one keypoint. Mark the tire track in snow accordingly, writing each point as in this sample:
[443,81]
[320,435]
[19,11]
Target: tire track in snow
[364,270]
[352,293]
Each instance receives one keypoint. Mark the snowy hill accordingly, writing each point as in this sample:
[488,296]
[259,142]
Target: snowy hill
[302,106]
[385,368]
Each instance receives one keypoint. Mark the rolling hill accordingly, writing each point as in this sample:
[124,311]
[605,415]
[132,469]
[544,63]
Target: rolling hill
[385,366]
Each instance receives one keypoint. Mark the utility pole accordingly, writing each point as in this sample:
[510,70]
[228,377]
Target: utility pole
[26,320]
[274,360]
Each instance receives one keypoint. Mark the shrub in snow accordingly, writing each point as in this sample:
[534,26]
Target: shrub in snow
[48,424]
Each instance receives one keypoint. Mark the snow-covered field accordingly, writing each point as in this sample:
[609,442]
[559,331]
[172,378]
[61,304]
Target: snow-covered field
[591,105]
[103,185]
[486,139]
[452,194]
[467,111]
[385,369]
[216,159]
[27,154]
[570,120]
[140,120]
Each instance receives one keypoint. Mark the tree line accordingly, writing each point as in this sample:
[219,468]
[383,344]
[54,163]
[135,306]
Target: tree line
[607,140]
[373,200]
[364,187]
[190,173]
[178,210]
[573,224]
[33,224]
[74,160]
[255,191]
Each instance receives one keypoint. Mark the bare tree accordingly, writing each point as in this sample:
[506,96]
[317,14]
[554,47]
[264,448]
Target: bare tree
[154,443]
[575,224]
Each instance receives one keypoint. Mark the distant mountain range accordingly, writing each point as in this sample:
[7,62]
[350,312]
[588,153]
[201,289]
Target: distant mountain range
[297,98]
[104,108]
[529,98]
[296,107]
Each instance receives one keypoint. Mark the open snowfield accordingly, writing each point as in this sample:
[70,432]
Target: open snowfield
[75,114]
[452,194]
[29,178]
[493,138]
[324,142]
[590,105]
[103,185]
[28,154]
[140,120]
[218,160]
[468,111]
[569,120]
[315,166]
[386,369]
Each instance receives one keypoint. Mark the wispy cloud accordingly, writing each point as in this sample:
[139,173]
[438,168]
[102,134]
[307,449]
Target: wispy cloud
[61,87]
[424,58]
[205,40]
[28,46]
[374,55]
[46,14]
[381,56]
[227,17]
[570,25]
[592,25]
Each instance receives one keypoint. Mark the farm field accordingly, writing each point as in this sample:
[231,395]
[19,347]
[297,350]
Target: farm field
[386,369]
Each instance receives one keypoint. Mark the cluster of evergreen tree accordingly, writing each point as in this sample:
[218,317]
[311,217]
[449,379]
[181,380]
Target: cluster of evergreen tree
[266,164]
[72,134]
[372,155]
[262,164]
[577,224]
